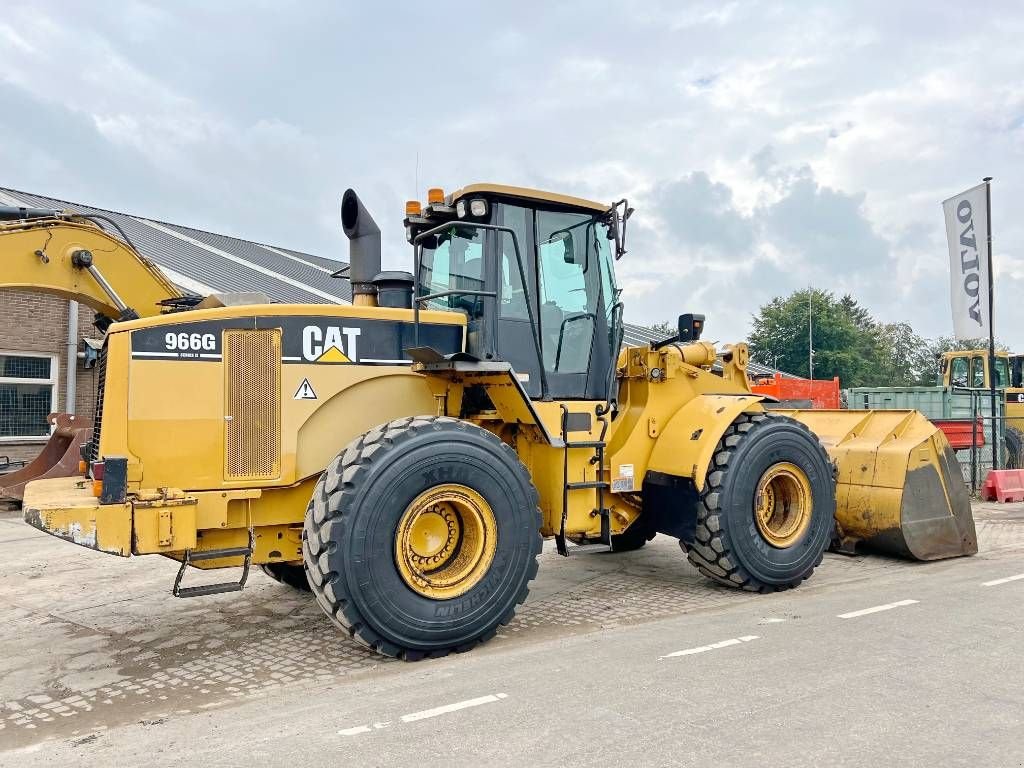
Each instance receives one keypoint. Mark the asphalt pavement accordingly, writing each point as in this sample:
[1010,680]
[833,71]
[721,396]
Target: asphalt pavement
[871,662]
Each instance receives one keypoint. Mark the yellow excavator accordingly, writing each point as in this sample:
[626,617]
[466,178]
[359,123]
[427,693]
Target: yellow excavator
[405,456]
[57,252]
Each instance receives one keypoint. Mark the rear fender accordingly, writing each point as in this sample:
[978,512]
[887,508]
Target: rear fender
[686,445]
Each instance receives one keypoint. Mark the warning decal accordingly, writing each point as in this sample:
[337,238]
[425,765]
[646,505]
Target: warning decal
[305,391]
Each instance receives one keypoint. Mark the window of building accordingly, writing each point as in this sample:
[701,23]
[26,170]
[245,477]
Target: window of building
[28,394]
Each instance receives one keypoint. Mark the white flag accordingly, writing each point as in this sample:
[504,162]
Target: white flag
[967,234]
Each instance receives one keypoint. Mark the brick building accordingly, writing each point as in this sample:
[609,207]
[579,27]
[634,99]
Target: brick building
[34,356]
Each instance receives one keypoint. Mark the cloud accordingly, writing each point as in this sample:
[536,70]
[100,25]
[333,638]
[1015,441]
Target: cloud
[765,145]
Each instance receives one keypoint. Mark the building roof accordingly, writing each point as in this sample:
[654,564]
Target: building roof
[205,262]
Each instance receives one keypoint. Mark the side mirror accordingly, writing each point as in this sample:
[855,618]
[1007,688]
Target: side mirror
[690,327]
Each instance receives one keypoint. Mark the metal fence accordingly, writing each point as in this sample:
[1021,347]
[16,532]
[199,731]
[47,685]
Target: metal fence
[974,448]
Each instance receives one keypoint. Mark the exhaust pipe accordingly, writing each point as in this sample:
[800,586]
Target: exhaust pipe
[363,249]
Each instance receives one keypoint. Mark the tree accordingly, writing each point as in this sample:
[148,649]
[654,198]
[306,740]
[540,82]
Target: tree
[666,328]
[846,339]
[848,342]
[903,357]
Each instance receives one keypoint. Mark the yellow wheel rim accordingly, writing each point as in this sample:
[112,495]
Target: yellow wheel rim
[783,504]
[445,541]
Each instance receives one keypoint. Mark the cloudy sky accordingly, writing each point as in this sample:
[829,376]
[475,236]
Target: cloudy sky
[765,145]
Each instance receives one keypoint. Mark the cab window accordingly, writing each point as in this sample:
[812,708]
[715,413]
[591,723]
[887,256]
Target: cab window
[958,372]
[454,261]
[569,290]
[1002,372]
[978,372]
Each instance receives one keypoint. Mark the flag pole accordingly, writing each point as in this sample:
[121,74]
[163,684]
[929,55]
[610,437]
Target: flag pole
[991,326]
[810,336]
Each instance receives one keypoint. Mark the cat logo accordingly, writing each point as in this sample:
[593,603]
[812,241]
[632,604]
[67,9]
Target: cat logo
[324,345]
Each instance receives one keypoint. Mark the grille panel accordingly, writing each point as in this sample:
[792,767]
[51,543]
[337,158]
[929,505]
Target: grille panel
[252,424]
[97,422]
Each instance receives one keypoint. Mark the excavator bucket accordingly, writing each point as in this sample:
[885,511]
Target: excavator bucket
[59,457]
[899,487]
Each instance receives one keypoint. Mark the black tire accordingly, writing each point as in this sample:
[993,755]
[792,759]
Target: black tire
[634,537]
[1014,441]
[350,531]
[728,545]
[285,573]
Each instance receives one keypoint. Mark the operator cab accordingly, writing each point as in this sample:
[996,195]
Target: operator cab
[968,369]
[533,273]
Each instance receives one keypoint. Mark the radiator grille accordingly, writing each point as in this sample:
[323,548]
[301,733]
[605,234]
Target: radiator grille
[97,422]
[252,424]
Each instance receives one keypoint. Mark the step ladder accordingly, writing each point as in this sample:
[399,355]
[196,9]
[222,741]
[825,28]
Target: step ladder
[214,554]
[598,486]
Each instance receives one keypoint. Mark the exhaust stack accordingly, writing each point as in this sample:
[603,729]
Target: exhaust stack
[363,249]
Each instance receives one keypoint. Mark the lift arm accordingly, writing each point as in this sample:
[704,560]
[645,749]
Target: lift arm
[71,256]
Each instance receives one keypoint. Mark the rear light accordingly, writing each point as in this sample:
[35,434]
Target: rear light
[82,466]
[97,488]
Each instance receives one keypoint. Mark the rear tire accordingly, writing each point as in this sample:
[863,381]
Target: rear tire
[423,537]
[1014,440]
[285,573]
[767,512]
[634,537]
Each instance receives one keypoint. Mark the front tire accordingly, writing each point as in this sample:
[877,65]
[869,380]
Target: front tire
[422,537]
[767,512]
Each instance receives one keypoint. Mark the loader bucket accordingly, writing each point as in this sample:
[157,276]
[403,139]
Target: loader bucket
[59,457]
[899,487]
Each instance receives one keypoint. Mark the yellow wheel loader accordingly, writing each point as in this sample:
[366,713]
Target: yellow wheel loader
[407,455]
[970,369]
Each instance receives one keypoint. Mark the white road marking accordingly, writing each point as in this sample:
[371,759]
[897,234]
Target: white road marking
[354,731]
[997,582]
[875,609]
[424,714]
[711,647]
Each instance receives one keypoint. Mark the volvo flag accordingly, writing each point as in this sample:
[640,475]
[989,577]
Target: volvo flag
[967,231]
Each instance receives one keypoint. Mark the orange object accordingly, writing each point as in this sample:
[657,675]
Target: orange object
[822,394]
[413,208]
[435,195]
[97,488]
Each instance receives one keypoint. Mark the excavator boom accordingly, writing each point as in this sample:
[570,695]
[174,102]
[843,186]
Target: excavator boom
[73,257]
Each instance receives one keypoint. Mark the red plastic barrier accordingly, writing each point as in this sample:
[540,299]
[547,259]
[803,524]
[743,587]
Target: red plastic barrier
[1003,485]
[959,433]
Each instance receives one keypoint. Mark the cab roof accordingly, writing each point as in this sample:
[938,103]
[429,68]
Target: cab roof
[527,194]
